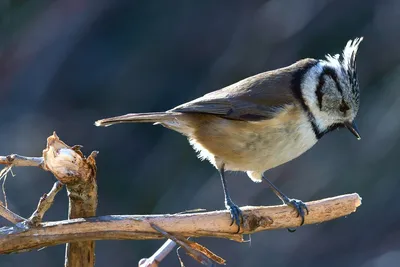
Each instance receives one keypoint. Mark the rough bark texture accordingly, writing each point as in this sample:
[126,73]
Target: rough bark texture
[214,224]
[45,202]
[79,175]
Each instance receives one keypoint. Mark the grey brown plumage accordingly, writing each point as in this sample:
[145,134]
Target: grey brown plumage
[255,98]
[136,117]
[268,119]
[237,125]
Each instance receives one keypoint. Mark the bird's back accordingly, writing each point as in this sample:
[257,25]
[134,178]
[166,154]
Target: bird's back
[251,99]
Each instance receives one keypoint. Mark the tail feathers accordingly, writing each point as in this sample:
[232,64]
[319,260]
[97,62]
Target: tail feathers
[137,117]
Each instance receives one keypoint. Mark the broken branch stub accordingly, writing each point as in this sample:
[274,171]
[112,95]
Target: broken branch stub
[78,173]
[68,163]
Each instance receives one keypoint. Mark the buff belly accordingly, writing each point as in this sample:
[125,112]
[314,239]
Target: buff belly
[253,147]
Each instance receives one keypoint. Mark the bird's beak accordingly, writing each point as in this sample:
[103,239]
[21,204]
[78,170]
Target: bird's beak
[353,129]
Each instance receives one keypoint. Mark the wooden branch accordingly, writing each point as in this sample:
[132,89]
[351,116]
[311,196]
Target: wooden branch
[45,202]
[17,160]
[9,215]
[22,161]
[78,173]
[164,250]
[159,255]
[214,224]
[198,252]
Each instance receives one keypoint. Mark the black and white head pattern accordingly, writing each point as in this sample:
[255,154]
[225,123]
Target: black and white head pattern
[330,90]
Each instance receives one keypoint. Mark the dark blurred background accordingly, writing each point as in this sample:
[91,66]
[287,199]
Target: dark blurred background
[66,63]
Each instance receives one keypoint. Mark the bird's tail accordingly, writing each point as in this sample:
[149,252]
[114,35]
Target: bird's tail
[138,117]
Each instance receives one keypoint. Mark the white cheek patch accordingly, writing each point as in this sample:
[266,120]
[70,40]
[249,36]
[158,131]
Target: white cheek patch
[308,87]
[344,70]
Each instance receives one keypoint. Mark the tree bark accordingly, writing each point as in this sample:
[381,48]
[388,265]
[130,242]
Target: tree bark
[78,173]
[211,224]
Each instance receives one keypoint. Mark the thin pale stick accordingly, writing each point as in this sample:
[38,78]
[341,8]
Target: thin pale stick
[159,255]
[18,160]
[9,215]
[45,202]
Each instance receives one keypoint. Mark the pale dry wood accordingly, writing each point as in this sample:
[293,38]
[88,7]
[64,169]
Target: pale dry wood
[198,252]
[212,224]
[21,161]
[159,255]
[45,202]
[164,250]
[17,160]
[9,215]
[78,173]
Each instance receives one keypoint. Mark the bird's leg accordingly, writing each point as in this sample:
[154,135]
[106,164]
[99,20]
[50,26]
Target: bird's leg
[298,205]
[236,213]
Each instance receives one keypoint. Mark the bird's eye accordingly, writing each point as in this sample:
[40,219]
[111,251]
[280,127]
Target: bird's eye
[343,107]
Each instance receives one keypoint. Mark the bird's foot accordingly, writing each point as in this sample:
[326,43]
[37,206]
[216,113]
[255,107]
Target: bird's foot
[299,206]
[236,214]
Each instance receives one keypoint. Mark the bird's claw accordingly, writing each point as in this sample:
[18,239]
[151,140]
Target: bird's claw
[236,214]
[300,207]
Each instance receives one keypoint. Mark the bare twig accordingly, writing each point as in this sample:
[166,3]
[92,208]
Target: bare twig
[9,215]
[215,224]
[78,173]
[193,249]
[164,250]
[159,255]
[44,204]
[3,176]
[17,160]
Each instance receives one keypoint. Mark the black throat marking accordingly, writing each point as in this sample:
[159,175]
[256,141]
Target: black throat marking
[296,89]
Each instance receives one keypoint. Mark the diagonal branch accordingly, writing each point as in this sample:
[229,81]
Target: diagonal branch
[78,174]
[16,160]
[159,255]
[45,202]
[198,252]
[9,215]
[211,224]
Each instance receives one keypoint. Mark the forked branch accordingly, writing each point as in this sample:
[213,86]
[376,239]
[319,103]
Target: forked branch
[78,174]
[9,215]
[45,202]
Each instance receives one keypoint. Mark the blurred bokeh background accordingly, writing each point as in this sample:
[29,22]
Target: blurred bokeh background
[66,63]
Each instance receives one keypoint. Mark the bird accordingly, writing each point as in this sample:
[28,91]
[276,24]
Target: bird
[266,120]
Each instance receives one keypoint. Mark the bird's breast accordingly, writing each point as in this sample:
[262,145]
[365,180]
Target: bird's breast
[257,146]
[278,141]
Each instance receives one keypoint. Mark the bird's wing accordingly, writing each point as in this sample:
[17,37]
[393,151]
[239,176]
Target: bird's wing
[254,98]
